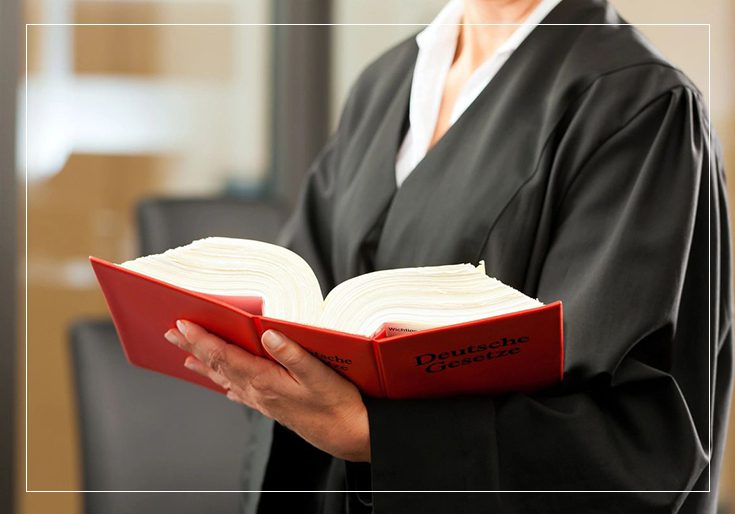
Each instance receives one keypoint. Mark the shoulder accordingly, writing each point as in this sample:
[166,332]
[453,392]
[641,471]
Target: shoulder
[614,96]
[620,53]
[393,64]
[376,85]
[601,72]
[605,52]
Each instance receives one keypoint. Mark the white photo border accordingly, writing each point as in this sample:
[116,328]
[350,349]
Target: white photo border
[709,346]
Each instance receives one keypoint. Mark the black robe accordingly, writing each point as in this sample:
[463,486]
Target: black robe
[584,172]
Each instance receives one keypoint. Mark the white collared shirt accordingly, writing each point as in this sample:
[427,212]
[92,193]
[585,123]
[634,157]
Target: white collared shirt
[437,44]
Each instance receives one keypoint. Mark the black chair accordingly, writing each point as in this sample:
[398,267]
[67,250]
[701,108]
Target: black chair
[141,431]
[170,222]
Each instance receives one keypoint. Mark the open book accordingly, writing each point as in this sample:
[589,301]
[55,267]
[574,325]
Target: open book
[409,332]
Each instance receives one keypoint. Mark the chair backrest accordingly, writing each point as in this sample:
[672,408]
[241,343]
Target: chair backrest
[141,431]
[165,223]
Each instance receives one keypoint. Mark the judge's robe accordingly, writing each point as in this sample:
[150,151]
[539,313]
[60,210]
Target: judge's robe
[585,172]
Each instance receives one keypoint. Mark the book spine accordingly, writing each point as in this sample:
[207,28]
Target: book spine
[259,330]
[379,367]
[562,354]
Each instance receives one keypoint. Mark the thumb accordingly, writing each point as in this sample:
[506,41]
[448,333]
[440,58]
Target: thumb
[301,364]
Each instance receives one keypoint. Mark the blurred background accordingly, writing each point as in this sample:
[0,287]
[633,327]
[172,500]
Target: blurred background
[136,135]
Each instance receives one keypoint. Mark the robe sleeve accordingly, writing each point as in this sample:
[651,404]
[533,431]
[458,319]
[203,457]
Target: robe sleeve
[647,314]
[308,230]
[293,464]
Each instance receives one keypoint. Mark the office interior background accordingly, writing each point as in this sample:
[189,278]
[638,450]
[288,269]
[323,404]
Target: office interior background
[112,117]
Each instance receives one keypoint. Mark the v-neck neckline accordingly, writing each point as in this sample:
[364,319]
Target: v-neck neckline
[420,185]
[373,210]
[469,111]
[449,133]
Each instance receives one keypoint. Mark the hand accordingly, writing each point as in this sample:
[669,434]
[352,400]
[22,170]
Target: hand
[300,392]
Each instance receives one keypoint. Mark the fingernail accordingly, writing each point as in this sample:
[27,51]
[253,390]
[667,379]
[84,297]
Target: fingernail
[171,337]
[272,340]
[181,326]
[188,364]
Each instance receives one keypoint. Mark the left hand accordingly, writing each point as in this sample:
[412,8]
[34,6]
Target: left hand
[302,393]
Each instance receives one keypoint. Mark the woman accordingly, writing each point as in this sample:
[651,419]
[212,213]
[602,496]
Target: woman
[577,163]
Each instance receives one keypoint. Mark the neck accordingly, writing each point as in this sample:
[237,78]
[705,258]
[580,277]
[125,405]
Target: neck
[476,43]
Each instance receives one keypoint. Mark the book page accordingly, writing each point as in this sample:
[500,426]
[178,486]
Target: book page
[410,299]
[230,268]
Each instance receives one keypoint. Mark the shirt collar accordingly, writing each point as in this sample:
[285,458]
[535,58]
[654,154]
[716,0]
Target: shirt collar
[443,27]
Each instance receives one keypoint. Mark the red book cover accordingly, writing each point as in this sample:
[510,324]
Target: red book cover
[518,352]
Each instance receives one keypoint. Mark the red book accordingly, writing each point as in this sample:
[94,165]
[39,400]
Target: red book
[518,352]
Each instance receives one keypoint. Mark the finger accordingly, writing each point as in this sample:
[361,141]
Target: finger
[197,366]
[232,391]
[220,356]
[303,366]
[240,398]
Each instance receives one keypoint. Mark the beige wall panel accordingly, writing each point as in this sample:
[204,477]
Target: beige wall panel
[32,10]
[86,209]
[204,52]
